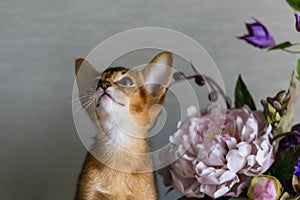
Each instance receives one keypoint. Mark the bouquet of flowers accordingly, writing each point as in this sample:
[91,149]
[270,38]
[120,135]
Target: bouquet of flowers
[239,152]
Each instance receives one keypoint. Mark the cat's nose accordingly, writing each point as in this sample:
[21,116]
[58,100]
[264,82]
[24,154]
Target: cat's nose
[105,85]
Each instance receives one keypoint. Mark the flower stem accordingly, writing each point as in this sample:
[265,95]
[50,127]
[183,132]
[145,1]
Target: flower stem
[211,82]
[280,136]
[219,89]
[290,51]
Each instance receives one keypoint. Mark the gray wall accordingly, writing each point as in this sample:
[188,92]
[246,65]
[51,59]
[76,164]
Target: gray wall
[41,153]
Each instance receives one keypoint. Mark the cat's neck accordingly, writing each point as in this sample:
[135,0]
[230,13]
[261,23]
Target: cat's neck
[123,150]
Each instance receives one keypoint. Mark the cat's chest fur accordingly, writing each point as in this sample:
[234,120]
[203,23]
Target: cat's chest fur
[112,184]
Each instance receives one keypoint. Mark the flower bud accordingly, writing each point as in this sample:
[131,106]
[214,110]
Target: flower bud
[199,79]
[258,35]
[297,24]
[213,96]
[264,187]
[178,76]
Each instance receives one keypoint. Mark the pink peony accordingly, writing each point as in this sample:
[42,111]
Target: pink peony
[217,154]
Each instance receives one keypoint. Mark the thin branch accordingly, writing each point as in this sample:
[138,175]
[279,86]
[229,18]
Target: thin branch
[290,51]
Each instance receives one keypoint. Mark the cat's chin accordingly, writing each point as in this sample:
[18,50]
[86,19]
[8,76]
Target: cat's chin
[107,103]
[106,98]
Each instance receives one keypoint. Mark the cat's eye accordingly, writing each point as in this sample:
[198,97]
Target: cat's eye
[126,81]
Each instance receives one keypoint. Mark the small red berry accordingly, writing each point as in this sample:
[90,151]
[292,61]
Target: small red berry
[199,79]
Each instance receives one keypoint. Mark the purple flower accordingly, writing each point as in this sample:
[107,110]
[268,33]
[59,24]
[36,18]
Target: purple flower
[297,24]
[287,142]
[290,140]
[258,35]
[297,168]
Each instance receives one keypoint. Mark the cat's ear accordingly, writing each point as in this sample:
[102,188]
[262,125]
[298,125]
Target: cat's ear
[85,75]
[158,74]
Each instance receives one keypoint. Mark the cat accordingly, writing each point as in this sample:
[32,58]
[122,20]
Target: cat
[123,104]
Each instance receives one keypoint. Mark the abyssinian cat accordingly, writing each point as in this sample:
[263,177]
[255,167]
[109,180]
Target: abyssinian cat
[122,103]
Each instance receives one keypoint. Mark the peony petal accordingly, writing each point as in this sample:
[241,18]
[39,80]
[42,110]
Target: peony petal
[227,176]
[263,149]
[210,177]
[222,191]
[231,143]
[235,161]
[244,149]
[192,111]
[236,190]
[225,188]
[249,132]
[239,123]
[215,156]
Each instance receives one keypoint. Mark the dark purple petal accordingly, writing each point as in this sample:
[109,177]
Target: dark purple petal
[259,41]
[297,24]
[257,30]
[290,140]
[297,168]
[258,35]
[262,30]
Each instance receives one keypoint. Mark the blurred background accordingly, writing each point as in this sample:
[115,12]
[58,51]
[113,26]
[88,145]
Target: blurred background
[40,150]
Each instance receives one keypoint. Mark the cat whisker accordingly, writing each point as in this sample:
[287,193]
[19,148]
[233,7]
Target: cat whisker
[90,103]
[85,105]
[77,100]
[79,108]
[80,98]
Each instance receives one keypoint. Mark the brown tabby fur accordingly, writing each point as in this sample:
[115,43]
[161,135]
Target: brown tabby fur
[121,168]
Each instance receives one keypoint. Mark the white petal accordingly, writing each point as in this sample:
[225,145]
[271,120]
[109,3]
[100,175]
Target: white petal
[231,143]
[227,176]
[244,148]
[223,190]
[251,160]
[235,161]
[192,110]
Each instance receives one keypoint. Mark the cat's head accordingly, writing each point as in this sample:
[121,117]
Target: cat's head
[127,98]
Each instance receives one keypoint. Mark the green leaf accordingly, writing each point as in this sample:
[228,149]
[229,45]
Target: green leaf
[282,45]
[242,95]
[283,167]
[298,69]
[295,4]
